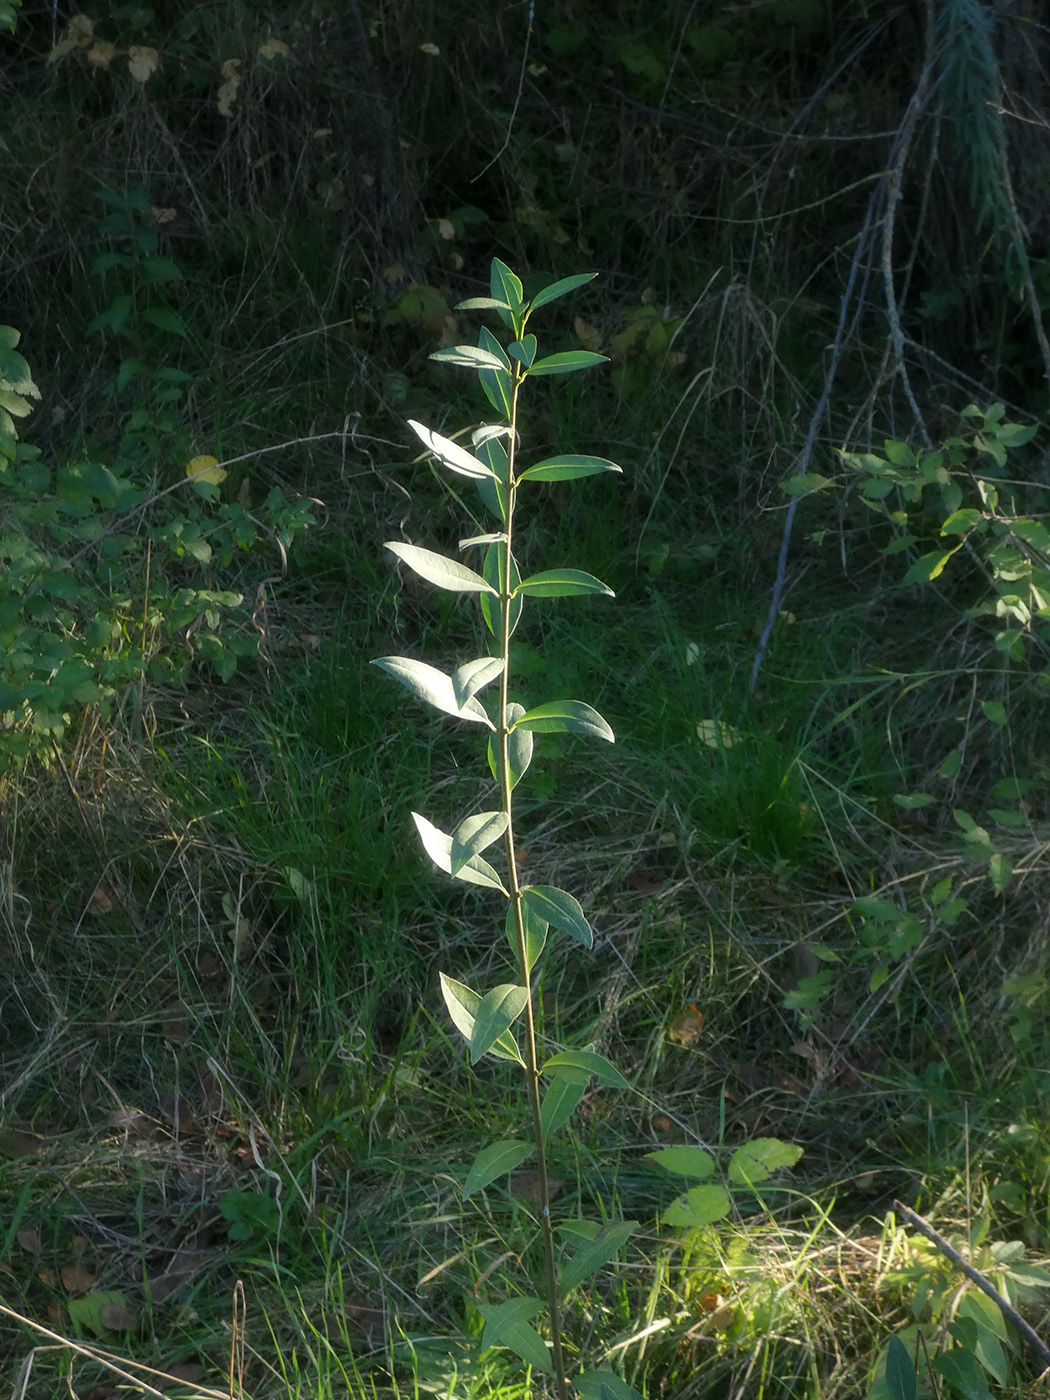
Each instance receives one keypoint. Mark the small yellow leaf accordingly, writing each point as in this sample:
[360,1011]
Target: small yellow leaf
[589,336]
[205,468]
[102,54]
[431,49]
[274,48]
[227,94]
[142,62]
[446,229]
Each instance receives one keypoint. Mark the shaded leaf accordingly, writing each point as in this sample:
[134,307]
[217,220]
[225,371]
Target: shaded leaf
[506,285]
[519,748]
[559,1104]
[563,583]
[507,1325]
[604,1385]
[462,1005]
[535,934]
[566,717]
[559,909]
[474,835]
[567,468]
[561,288]
[497,1012]
[579,1065]
[901,1381]
[595,1253]
[494,1161]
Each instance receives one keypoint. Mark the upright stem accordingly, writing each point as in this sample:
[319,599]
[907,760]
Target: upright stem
[532,1069]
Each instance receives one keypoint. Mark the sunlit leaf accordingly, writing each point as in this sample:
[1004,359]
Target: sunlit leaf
[456,458]
[535,934]
[433,686]
[699,1207]
[519,748]
[462,1005]
[470,356]
[436,569]
[684,1161]
[472,676]
[756,1161]
[438,846]
[474,835]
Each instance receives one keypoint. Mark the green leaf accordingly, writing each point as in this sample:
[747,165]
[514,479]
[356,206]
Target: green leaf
[995,710]
[929,566]
[523,350]
[506,286]
[579,1065]
[535,934]
[911,801]
[804,483]
[1000,871]
[519,748]
[561,288]
[436,569]
[960,522]
[471,356]
[560,910]
[594,1254]
[496,382]
[462,1005]
[756,1161]
[568,468]
[482,304]
[507,1325]
[472,676]
[900,454]
[604,1385]
[962,1371]
[438,846]
[494,1161]
[165,319]
[87,1311]
[699,1207]
[901,1381]
[493,569]
[559,1104]
[433,686]
[563,583]
[498,1011]
[567,361]
[684,1161]
[474,835]
[456,458]
[566,717]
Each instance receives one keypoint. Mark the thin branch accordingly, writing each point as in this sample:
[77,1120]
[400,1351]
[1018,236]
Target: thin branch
[988,1289]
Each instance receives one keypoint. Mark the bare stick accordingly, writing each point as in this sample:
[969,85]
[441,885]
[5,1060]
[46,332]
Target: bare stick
[1009,1312]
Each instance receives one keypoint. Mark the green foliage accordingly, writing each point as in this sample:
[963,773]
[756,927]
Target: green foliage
[500,1023]
[959,1339]
[107,583]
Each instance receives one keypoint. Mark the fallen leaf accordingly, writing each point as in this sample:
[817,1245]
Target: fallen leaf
[227,94]
[29,1238]
[527,1185]
[119,1317]
[78,1278]
[206,467]
[101,54]
[182,1373]
[686,1026]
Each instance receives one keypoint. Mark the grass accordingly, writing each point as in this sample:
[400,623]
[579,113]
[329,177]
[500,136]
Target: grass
[224,1059]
